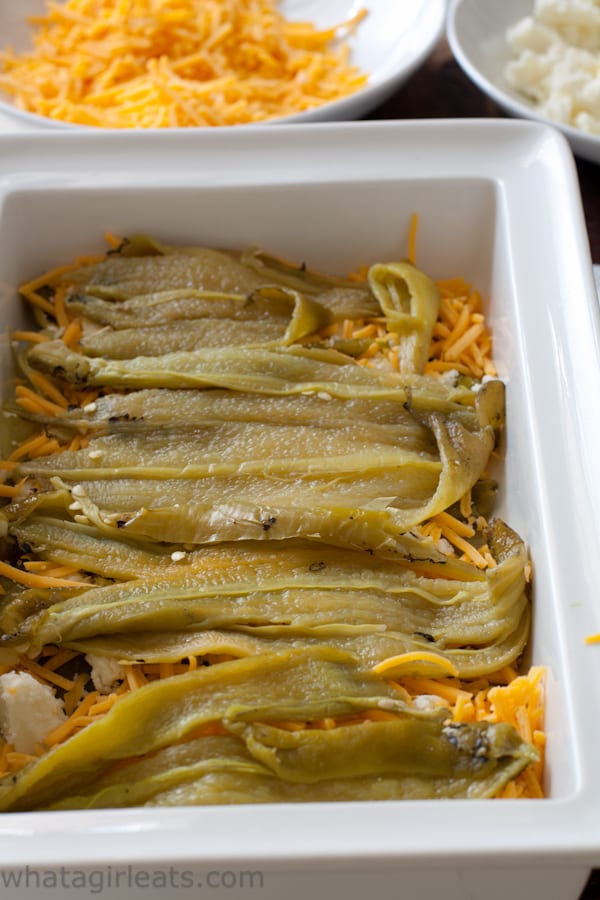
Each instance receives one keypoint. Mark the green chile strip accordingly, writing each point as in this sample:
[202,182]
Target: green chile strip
[244,448]
[283,371]
[410,301]
[457,612]
[422,756]
[219,788]
[92,549]
[292,685]
[366,650]
[148,409]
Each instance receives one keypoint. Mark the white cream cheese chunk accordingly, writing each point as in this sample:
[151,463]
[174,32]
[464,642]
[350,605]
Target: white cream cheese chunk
[106,672]
[29,711]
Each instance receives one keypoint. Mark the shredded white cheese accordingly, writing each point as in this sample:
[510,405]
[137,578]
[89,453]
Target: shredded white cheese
[556,61]
[106,672]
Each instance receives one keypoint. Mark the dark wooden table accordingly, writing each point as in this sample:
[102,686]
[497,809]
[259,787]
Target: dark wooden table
[440,90]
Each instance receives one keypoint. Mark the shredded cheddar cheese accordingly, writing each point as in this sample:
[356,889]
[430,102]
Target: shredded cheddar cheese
[460,339]
[414,661]
[518,702]
[412,238]
[34,336]
[177,63]
[30,579]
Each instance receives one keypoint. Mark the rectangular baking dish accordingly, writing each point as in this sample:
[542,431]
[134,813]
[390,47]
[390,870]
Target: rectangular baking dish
[498,202]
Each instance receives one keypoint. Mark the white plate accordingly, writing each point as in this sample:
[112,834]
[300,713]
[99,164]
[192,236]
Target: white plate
[476,34]
[500,206]
[389,44]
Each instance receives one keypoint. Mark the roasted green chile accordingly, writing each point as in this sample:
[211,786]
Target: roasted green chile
[249,697]
[245,490]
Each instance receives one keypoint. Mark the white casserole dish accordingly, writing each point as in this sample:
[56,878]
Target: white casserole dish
[498,202]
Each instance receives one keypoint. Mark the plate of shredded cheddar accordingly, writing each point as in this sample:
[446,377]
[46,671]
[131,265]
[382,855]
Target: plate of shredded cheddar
[123,64]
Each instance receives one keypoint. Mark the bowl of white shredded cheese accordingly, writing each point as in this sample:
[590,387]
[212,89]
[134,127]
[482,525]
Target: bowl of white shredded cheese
[538,59]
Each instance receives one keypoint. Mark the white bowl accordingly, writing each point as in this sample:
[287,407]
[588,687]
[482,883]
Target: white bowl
[389,45]
[476,33]
[500,206]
